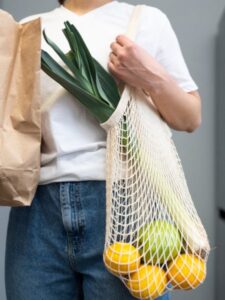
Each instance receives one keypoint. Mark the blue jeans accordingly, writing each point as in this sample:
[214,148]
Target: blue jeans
[54,247]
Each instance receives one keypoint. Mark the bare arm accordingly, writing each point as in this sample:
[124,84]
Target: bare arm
[134,65]
[180,109]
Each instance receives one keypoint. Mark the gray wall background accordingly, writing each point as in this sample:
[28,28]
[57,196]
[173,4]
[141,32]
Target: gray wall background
[195,23]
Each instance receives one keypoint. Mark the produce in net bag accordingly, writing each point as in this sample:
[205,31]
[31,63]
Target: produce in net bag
[154,240]
[153,233]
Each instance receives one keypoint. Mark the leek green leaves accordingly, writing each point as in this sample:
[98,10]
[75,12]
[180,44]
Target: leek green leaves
[83,76]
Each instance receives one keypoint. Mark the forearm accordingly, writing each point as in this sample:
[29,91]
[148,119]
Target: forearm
[135,66]
[181,110]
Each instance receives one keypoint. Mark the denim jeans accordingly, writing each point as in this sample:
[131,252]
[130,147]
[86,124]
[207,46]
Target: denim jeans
[54,247]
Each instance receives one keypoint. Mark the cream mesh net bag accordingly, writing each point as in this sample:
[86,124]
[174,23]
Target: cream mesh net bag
[154,240]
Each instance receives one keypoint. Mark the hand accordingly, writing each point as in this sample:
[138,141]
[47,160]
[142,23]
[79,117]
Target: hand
[136,67]
[133,64]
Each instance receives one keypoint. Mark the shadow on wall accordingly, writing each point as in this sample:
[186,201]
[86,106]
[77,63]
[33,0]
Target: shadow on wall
[220,161]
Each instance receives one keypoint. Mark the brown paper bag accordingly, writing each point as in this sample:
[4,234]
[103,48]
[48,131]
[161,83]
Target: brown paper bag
[20,119]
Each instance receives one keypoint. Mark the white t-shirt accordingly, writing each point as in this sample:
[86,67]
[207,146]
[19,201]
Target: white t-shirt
[74,144]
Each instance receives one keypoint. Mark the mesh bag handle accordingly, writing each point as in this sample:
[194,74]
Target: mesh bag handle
[134,21]
[154,238]
[130,33]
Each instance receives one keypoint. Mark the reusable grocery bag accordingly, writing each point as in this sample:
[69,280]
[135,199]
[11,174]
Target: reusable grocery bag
[155,240]
[20,122]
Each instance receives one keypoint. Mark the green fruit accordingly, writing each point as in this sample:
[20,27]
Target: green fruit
[160,242]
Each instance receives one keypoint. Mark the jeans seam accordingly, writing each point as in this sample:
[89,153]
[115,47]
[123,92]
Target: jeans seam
[81,218]
[78,217]
[69,250]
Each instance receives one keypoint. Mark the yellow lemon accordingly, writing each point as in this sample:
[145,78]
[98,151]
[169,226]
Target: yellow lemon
[187,271]
[122,258]
[149,282]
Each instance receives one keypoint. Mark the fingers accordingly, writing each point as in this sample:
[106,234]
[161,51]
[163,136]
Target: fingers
[120,55]
[117,55]
[116,48]
[123,40]
[113,58]
[116,65]
[116,70]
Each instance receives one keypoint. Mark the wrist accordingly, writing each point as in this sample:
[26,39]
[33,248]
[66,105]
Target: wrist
[157,81]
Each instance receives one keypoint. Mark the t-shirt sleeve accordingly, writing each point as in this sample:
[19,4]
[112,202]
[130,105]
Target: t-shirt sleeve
[170,56]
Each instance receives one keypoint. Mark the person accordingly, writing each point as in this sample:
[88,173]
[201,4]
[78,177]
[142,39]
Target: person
[54,247]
